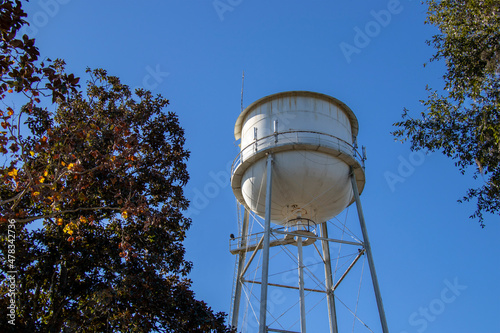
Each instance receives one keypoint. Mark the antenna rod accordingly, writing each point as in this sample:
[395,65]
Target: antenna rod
[242,85]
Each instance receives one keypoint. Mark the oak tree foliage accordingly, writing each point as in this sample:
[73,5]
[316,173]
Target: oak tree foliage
[94,181]
[463,120]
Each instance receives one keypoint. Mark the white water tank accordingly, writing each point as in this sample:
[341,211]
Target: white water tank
[312,140]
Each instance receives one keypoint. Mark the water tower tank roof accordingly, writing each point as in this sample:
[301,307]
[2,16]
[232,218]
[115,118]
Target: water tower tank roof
[352,118]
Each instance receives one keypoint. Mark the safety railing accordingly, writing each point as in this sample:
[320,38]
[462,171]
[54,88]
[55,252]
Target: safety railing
[296,137]
[303,228]
[248,241]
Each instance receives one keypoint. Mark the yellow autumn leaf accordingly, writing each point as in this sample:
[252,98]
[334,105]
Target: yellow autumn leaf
[10,113]
[71,166]
[59,221]
[125,214]
[13,173]
[36,193]
[67,229]
[41,179]
[63,164]
[32,153]
[83,219]
[45,173]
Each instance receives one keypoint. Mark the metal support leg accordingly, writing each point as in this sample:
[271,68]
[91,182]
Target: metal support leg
[329,280]
[241,265]
[368,250]
[302,299]
[265,250]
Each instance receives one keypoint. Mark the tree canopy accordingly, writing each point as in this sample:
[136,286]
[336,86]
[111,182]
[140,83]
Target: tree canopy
[463,120]
[93,184]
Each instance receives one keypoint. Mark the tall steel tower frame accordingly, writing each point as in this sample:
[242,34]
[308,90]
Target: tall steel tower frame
[298,238]
[265,244]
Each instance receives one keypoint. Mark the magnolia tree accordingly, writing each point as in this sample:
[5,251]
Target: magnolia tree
[91,202]
[463,122]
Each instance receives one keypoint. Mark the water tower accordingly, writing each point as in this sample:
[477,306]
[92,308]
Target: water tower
[298,167]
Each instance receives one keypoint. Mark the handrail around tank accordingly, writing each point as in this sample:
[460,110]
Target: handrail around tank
[340,143]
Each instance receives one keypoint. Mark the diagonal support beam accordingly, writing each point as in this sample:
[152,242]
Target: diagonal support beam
[251,257]
[348,269]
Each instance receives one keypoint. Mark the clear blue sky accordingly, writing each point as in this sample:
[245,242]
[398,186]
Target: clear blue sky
[194,55]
